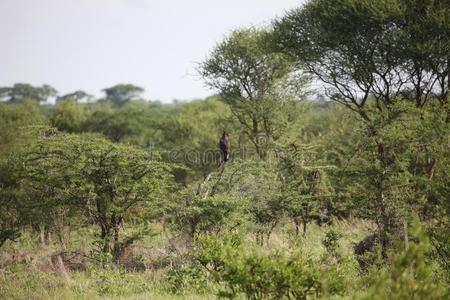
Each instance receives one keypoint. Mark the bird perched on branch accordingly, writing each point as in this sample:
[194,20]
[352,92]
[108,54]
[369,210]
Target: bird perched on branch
[225,146]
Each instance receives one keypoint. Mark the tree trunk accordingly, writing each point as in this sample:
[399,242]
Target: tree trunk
[105,238]
[384,217]
[297,226]
[304,226]
[384,226]
[447,120]
[405,234]
[105,226]
[44,234]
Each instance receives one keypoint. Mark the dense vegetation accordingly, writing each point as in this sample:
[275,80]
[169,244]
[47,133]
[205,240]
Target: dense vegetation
[338,186]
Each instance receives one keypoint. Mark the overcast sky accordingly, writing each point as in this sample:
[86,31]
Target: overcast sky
[93,44]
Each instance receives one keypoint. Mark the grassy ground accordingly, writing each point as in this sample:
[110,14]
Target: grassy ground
[30,270]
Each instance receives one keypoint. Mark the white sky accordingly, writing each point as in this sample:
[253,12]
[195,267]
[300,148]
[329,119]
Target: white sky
[94,44]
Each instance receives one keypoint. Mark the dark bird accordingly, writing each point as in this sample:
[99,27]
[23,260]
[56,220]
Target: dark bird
[224,145]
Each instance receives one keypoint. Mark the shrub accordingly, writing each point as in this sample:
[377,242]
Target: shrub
[186,278]
[255,275]
[331,242]
[411,276]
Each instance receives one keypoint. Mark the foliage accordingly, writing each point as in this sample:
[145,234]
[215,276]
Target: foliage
[120,94]
[196,213]
[364,49]
[256,276]
[75,96]
[331,242]
[14,119]
[306,189]
[118,125]
[409,276]
[89,173]
[68,116]
[249,75]
[22,91]
[186,277]
[194,143]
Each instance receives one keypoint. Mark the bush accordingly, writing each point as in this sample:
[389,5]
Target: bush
[331,242]
[411,276]
[186,278]
[255,275]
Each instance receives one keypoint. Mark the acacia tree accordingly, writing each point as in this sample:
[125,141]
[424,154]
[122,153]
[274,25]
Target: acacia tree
[106,181]
[77,96]
[248,74]
[23,91]
[306,191]
[372,56]
[425,29]
[120,94]
[385,49]
[257,186]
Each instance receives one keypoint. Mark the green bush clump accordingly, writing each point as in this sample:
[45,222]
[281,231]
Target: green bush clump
[411,276]
[241,270]
[186,278]
[331,242]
